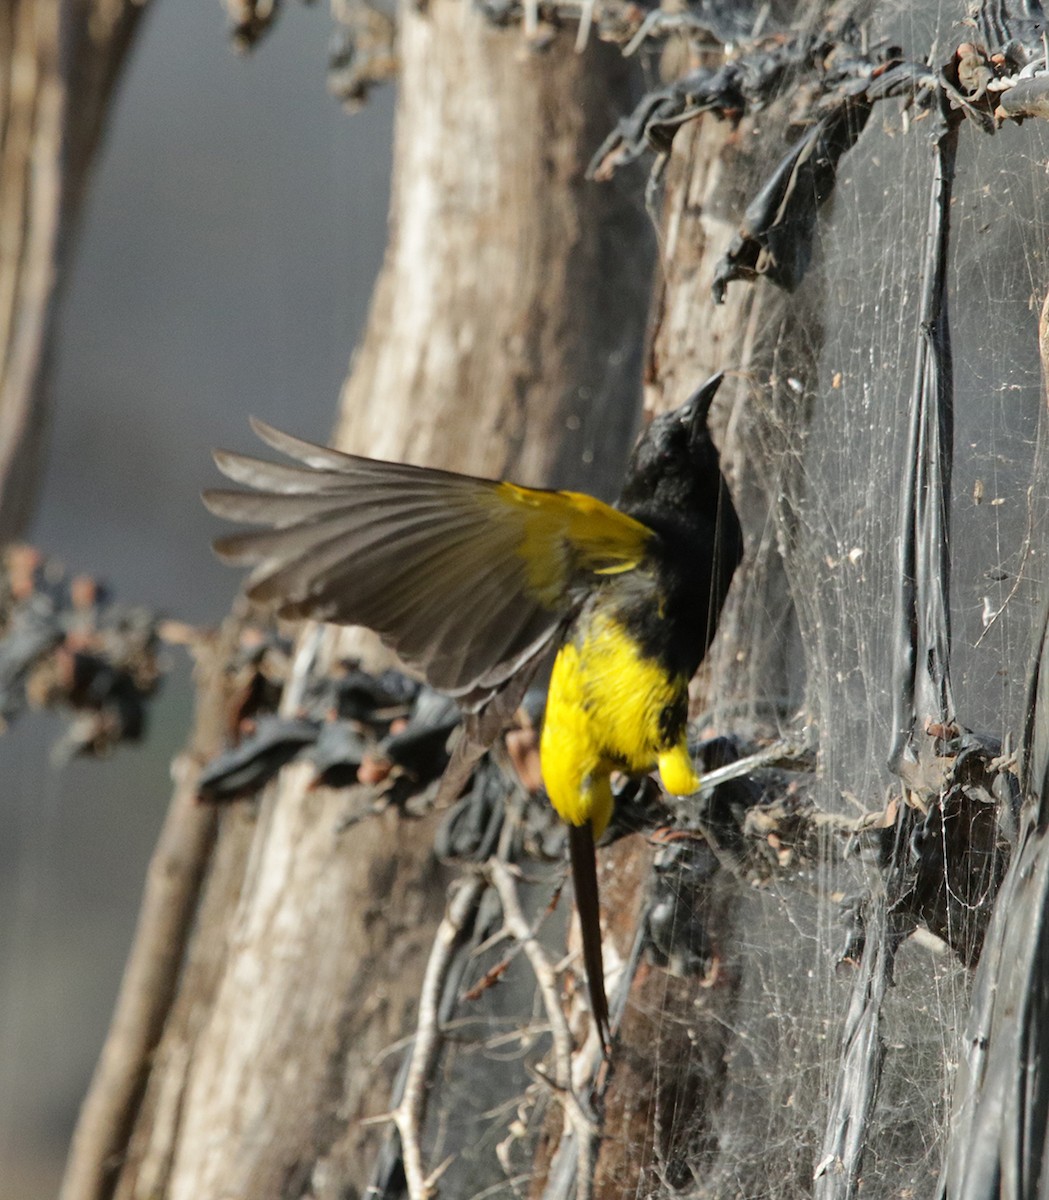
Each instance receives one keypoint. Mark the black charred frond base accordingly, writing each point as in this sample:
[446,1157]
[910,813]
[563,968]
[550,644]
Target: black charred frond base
[66,646]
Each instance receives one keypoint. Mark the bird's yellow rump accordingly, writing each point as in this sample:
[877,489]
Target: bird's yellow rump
[601,670]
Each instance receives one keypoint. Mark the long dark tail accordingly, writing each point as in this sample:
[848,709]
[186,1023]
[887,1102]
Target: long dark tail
[584,880]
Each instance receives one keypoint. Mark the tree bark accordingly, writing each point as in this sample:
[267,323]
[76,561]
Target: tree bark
[505,337]
[672,1072]
[59,63]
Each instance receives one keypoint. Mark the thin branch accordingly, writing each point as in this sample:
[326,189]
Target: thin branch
[577,1118]
[410,1113]
[1025,550]
[169,908]
[797,752]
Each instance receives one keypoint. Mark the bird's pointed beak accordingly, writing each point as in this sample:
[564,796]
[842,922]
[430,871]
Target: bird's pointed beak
[696,409]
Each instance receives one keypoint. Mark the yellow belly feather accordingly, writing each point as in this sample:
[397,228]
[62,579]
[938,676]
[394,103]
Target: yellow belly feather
[603,714]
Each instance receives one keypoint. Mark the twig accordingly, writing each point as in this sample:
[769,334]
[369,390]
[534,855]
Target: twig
[579,1121]
[306,655]
[791,750]
[1024,551]
[515,1182]
[176,875]
[410,1113]
[586,20]
[531,19]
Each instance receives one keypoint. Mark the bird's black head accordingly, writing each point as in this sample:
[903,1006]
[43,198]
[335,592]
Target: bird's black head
[675,470]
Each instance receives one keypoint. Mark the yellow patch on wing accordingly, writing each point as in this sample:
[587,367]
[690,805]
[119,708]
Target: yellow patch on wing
[568,532]
[604,710]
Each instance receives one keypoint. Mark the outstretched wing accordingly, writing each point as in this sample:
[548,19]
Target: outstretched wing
[466,579]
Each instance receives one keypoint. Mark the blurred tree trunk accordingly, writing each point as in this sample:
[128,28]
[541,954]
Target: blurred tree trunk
[276,964]
[59,62]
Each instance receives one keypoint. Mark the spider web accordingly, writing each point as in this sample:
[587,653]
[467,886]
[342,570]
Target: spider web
[824,1061]
[835,985]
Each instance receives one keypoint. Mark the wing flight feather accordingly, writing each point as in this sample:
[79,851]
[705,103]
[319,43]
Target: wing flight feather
[467,579]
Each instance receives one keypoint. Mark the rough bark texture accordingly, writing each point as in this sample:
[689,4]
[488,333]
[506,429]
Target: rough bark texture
[760,337]
[672,1072]
[59,61]
[505,335]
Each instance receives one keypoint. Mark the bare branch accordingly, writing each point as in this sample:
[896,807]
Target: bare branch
[577,1118]
[410,1113]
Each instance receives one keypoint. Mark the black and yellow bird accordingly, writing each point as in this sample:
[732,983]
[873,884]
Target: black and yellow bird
[475,583]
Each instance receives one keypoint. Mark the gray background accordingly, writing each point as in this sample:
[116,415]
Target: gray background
[232,235]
